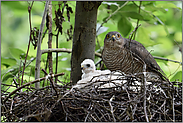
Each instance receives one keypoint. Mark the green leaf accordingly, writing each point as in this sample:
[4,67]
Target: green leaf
[17,53]
[143,37]
[177,76]
[178,36]
[166,5]
[9,73]
[147,2]
[147,16]
[131,7]
[8,61]
[113,8]
[124,26]
[152,8]
[116,16]
[132,14]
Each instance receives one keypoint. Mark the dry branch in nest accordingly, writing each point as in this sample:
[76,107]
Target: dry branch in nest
[116,100]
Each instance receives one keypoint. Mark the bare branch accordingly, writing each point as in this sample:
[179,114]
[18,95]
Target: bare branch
[29,10]
[63,50]
[165,59]
[49,16]
[38,56]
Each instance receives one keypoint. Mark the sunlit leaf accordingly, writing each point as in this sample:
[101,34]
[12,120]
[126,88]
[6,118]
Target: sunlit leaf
[152,8]
[167,5]
[143,37]
[177,76]
[178,36]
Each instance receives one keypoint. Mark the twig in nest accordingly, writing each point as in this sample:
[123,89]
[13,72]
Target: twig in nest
[145,89]
[51,80]
[29,83]
[112,111]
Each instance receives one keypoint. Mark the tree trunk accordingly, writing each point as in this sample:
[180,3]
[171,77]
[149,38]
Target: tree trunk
[38,56]
[84,36]
[50,62]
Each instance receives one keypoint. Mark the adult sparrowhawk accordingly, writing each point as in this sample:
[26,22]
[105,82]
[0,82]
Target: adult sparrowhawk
[128,56]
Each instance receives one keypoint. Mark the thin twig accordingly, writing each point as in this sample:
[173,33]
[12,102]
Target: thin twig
[56,50]
[15,82]
[56,66]
[63,50]
[29,10]
[138,19]
[165,59]
[12,101]
[180,48]
[133,32]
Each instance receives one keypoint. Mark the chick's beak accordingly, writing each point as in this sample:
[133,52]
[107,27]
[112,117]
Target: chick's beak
[82,67]
[113,38]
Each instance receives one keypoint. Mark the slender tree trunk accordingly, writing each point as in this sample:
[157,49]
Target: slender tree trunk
[38,56]
[84,36]
[50,63]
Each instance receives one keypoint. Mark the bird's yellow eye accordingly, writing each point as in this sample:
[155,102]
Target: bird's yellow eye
[118,35]
[107,36]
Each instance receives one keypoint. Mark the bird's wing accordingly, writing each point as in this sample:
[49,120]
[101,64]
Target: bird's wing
[139,51]
[104,71]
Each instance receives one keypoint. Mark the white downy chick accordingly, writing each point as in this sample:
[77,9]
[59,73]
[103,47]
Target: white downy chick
[89,72]
[89,69]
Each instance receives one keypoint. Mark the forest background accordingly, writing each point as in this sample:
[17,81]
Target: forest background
[160,32]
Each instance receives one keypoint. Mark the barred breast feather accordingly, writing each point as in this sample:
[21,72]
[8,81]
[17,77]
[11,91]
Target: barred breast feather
[122,60]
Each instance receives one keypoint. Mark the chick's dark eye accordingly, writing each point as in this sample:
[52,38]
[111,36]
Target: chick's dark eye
[118,35]
[88,65]
[107,36]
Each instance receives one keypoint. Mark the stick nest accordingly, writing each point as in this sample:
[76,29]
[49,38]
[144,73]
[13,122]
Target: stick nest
[129,101]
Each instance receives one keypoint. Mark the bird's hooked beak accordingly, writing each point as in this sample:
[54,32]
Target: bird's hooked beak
[113,38]
[82,67]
